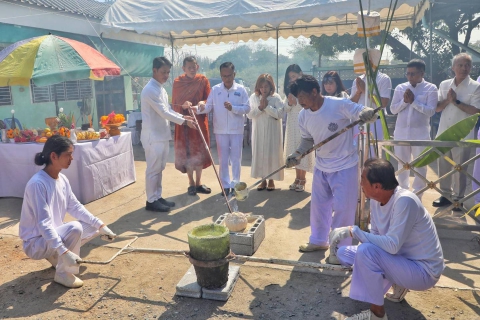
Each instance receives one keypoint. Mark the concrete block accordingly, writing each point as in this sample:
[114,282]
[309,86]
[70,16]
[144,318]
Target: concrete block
[188,286]
[246,243]
[223,293]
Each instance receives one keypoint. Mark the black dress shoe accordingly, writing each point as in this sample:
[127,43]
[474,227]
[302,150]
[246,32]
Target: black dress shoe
[440,202]
[156,206]
[170,204]
[227,191]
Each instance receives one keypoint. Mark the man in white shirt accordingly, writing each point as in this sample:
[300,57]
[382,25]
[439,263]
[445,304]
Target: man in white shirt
[402,249]
[156,116]
[458,98]
[415,102]
[335,177]
[357,94]
[229,102]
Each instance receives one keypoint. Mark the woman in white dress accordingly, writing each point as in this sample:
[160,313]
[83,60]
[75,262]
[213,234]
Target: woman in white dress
[332,85]
[266,112]
[292,131]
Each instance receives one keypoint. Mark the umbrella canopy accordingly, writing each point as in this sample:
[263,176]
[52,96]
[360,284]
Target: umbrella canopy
[51,59]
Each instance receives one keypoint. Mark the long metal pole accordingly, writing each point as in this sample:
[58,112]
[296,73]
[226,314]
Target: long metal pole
[211,158]
[277,61]
[431,39]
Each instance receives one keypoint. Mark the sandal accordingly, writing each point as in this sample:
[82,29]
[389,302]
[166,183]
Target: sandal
[203,189]
[192,190]
[293,186]
[271,188]
[262,186]
[398,293]
[300,187]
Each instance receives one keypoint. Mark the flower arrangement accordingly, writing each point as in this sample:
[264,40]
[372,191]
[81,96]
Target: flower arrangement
[112,118]
[67,121]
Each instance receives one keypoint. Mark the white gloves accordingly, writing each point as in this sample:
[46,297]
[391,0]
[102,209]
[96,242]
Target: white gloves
[107,234]
[336,235]
[367,115]
[293,159]
[70,259]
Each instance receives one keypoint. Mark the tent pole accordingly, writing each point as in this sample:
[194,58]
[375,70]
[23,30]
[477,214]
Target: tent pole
[431,39]
[277,59]
[173,64]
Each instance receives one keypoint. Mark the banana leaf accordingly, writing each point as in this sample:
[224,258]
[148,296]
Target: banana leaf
[455,133]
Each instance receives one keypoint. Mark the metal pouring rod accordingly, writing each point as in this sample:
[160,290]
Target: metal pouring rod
[315,147]
[211,158]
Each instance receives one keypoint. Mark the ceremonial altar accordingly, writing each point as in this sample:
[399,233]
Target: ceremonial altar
[99,167]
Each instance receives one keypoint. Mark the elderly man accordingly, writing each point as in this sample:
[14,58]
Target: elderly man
[335,175]
[156,117]
[402,249]
[230,103]
[458,98]
[415,102]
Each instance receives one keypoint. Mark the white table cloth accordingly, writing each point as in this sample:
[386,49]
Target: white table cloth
[98,168]
[132,124]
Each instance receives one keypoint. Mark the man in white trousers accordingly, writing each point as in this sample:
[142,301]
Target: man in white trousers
[458,98]
[335,177]
[402,249]
[415,102]
[229,102]
[156,135]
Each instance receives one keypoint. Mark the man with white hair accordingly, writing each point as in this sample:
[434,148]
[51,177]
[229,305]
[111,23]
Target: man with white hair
[458,98]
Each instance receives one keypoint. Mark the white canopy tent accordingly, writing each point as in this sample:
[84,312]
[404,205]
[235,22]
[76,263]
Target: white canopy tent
[214,21]
[189,22]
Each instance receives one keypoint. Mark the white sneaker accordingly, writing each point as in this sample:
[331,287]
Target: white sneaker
[366,315]
[398,293]
[68,280]
[53,260]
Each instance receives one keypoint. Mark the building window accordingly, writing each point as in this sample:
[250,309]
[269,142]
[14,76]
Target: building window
[6,96]
[65,91]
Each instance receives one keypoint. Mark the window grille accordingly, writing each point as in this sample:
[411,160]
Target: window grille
[6,96]
[66,91]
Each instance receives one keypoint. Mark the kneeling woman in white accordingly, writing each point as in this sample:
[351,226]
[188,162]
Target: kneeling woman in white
[48,197]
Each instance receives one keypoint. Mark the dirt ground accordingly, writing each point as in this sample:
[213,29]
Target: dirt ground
[142,286]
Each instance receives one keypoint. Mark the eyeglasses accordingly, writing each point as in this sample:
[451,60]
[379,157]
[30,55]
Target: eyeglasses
[411,74]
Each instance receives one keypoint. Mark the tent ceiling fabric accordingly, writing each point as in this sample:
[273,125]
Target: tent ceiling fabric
[215,21]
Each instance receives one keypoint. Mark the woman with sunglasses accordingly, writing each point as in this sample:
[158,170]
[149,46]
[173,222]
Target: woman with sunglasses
[332,85]
[292,132]
[266,112]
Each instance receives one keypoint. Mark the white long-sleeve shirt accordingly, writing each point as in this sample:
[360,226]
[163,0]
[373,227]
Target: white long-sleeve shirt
[334,115]
[413,120]
[157,114]
[468,91]
[225,121]
[45,203]
[403,226]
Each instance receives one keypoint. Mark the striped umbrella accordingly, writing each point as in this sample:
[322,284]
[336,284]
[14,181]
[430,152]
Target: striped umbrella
[51,59]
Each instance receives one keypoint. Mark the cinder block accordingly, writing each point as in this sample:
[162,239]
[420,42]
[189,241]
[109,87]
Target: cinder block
[246,243]
[188,286]
[223,293]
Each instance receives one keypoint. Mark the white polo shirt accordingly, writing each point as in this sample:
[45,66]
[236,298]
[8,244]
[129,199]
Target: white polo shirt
[413,121]
[468,91]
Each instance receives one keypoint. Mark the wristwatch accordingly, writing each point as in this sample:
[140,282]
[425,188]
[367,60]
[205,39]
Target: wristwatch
[457,102]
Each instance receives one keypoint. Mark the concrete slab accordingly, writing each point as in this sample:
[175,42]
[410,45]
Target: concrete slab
[223,293]
[188,286]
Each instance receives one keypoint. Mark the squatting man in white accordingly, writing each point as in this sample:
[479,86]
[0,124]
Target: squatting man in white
[48,197]
[335,177]
[401,251]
